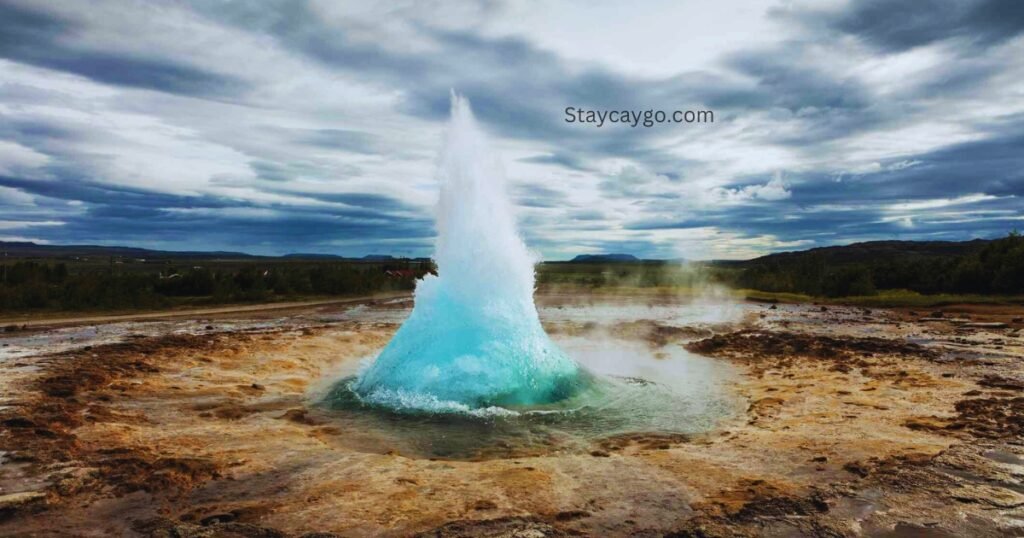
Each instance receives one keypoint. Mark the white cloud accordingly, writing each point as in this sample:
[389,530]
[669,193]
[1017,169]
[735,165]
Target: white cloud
[16,225]
[774,190]
[14,158]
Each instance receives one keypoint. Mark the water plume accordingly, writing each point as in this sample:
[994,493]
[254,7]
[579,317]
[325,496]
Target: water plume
[474,339]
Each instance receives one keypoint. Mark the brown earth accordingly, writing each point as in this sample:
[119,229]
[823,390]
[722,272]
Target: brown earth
[858,423]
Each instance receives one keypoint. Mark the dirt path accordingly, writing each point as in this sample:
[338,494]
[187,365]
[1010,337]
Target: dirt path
[33,322]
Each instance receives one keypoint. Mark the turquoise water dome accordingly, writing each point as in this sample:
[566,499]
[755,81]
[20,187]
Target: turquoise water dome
[474,339]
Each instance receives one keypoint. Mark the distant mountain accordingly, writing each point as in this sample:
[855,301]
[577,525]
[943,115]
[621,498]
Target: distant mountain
[870,251]
[604,258]
[853,253]
[24,249]
[313,256]
[27,249]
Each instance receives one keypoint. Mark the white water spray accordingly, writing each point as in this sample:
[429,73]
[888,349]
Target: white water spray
[473,339]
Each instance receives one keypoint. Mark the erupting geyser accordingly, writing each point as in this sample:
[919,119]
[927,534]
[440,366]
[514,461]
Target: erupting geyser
[474,339]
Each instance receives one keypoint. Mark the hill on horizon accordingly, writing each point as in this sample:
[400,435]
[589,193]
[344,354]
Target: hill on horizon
[869,251]
[840,254]
[603,258]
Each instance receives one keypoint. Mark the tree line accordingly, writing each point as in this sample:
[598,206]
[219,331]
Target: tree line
[996,268]
[33,285]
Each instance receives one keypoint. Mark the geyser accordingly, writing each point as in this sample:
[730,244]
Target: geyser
[474,339]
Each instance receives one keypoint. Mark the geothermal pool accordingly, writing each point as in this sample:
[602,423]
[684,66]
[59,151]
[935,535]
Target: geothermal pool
[471,369]
[634,387]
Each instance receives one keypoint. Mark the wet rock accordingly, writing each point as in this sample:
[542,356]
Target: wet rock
[986,325]
[571,515]
[75,480]
[905,529]
[992,418]
[1001,382]
[644,441]
[484,504]
[300,416]
[657,334]
[990,495]
[18,422]
[13,503]
[167,528]
[217,518]
[857,468]
[505,527]
[755,345]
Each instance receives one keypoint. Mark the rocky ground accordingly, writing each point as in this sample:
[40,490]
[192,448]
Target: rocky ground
[857,423]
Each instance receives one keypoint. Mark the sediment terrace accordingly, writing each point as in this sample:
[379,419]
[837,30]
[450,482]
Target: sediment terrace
[854,423]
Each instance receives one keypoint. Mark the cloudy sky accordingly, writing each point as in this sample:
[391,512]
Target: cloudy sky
[295,126]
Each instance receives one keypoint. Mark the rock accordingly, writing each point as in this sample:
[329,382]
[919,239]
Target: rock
[214,519]
[1018,320]
[570,515]
[773,307]
[991,495]
[76,479]
[484,504]
[938,314]
[857,468]
[509,527]
[987,325]
[12,502]
[18,422]
[300,416]
[1001,382]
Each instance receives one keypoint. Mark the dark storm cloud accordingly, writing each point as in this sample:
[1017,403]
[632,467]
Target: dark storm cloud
[124,214]
[375,202]
[993,166]
[39,38]
[976,188]
[78,188]
[284,233]
[794,97]
[896,26]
